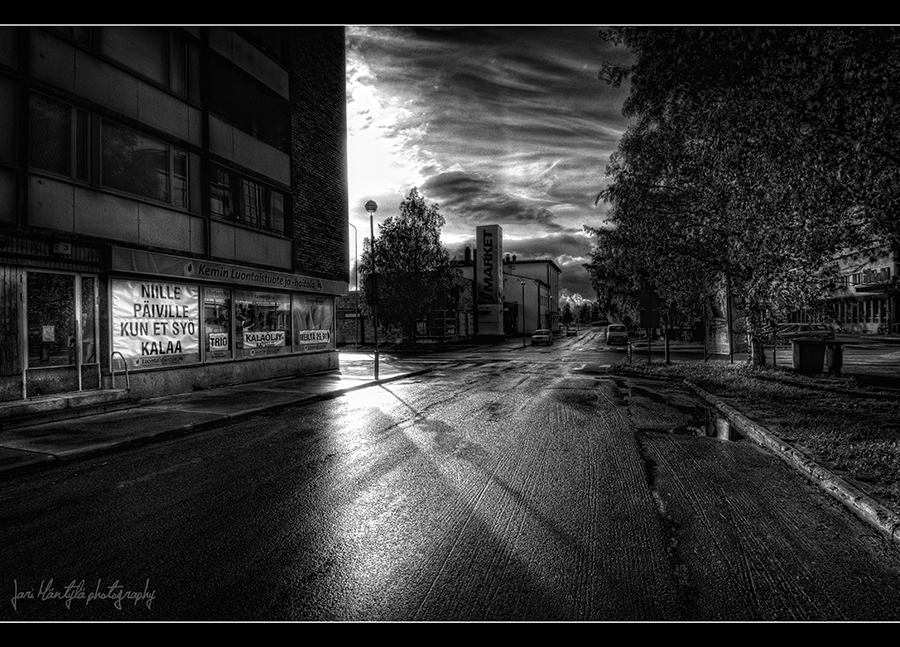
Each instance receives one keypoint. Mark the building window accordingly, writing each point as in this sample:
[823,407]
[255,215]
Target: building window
[221,196]
[313,322]
[262,323]
[61,143]
[153,52]
[253,201]
[256,204]
[59,137]
[267,38]
[217,323]
[138,164]
[246,103]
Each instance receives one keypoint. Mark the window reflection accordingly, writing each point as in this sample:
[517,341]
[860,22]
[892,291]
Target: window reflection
[217,317]
[262,322]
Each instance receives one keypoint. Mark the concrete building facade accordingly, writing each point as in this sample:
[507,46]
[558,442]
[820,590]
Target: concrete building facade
[867,299]
[530,293]
[173,206]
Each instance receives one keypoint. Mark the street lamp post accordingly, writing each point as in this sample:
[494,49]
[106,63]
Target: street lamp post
[356,274]
[372,207]
[523,313]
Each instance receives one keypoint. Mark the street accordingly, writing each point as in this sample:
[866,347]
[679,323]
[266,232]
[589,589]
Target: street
[515,484]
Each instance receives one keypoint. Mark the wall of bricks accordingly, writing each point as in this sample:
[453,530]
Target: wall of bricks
[319,150]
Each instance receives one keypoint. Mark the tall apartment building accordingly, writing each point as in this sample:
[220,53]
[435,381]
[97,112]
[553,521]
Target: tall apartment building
[173,203]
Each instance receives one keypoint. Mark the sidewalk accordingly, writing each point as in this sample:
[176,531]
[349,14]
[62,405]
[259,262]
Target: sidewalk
[35,446]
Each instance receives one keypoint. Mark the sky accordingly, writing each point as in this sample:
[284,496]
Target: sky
[505,125]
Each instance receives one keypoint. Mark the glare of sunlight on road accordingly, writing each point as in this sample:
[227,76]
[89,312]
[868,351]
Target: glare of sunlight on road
[359,401]
[395,448]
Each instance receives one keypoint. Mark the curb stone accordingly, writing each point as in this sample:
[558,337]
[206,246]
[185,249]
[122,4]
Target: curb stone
[861,504]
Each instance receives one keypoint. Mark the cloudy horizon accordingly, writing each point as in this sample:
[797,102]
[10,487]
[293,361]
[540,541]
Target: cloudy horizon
[505,125]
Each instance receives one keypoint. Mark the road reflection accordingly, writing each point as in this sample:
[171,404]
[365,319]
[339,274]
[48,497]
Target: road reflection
[423,503]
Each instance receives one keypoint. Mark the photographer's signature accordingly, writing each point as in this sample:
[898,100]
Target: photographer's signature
[81,592]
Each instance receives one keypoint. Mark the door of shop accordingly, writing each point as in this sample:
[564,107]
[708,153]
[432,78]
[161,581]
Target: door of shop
[61,320]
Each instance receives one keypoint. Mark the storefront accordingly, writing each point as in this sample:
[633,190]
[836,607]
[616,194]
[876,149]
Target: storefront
[60,344]
[165,323]
[223,323]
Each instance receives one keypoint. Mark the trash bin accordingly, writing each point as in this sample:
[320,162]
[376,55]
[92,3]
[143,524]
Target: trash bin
[809,356]
[834,357]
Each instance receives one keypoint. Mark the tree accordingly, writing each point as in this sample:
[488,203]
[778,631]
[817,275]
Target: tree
[416,274]
[567,316]
[747,159]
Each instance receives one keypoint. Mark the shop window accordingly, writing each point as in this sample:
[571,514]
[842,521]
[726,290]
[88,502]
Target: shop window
[262,323]
[155,323]
[217,323]
[257,204]
[313,322]
[135,163]
[88,320]
[51,319]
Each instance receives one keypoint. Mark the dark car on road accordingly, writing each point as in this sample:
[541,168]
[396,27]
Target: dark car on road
[542,336]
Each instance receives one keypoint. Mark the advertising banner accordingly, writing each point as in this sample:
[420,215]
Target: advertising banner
[489,265]
[218,341]
[155,323]
[262,323]
[264,339]
[489,279]
[313,322]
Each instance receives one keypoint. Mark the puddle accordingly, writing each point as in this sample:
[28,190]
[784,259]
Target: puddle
[704,419]
[707,421]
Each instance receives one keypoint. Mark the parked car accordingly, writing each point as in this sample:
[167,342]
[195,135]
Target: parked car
[542,336]
[787,332]
[616,334]
[571,332]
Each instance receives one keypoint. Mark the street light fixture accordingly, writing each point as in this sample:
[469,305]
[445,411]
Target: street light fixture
[356,271]
[372,207]
[523,313]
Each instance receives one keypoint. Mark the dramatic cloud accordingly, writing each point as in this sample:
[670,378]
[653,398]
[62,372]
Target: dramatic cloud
[497,125]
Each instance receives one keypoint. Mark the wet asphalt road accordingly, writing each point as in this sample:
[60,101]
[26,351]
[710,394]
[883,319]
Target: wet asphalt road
[526,486]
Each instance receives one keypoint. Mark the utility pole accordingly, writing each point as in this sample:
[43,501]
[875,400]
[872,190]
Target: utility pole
[372,207]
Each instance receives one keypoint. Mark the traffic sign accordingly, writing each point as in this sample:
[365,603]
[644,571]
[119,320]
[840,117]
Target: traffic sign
[375,279]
